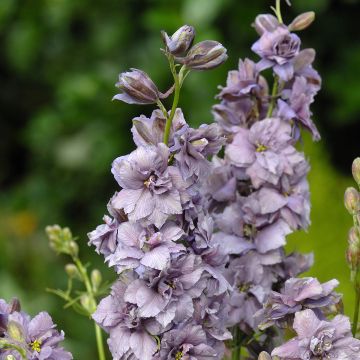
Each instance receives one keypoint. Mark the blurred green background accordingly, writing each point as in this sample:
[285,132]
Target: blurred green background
[59,60]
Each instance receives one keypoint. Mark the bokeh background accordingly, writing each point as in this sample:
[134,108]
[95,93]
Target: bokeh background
[59,131]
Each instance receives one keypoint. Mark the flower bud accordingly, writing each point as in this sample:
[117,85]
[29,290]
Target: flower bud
[265,22]
[353,237]
[302,21]
[96,279]
[180,42]
[72,271]
[88,303]
[73,248]
[264,356]
[356,170]
[351,200]
[137,88]
[204,55]
[15,305]
[353,256]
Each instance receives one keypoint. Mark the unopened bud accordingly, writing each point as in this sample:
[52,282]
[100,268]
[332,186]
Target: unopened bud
[96,279]
[264,356]
[180,42]
[73,248]
[353,256]
[88,303]
[265,23]
[302,21]
[15,305]
[204,55]
[351,200]
[356,170]
[72,271]
[353,237]
[137,88]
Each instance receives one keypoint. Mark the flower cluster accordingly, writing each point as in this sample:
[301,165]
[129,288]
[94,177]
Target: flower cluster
[23,337]
[167,302]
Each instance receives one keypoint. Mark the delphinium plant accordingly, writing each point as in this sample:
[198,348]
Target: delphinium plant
[197,231]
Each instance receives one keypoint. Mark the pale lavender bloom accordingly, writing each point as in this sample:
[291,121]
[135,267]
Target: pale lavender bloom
[318,339]
[266,151]
[295,264]
[251,277]
[37,336]
[242,82]
[269,203]
[188,341]
[139,246]
[150,131]
[277,49]
[152,190]
[128,334]
[297,105]
[194,146]
[298,294]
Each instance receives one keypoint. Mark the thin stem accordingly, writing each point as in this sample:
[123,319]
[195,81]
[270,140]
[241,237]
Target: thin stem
[273,97]
[89,290]
[278,12]
[357,305]
[236,349]
[99,342]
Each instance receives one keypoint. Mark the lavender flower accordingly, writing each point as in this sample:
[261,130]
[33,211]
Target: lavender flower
[36,336]
[298,294]
[152,190]
[278,48]
[265,151]
[319,339]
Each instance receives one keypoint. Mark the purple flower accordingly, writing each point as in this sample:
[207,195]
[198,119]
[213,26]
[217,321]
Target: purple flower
[298,294]
[128,335]
[194,146]
[37,336]
[297,106]
[318,339]
[188,341]
[138,246]
[152,190]
[150,131]
[277,49]
[265,151]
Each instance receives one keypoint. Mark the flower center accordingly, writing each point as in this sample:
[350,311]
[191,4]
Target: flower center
[321,346]
[178,355]
[36,345]
[150,181]
[261,148]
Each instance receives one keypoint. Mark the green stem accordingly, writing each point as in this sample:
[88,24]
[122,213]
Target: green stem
[273,97]
[5,345]
[236,349]
[89,290]
[99,342]
[278,12]
[357,305]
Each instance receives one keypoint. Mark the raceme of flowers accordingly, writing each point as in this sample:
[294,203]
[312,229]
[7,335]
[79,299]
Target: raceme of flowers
[197,229]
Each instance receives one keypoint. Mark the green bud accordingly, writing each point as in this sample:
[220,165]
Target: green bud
[353,256]
[72,271]
[302,21]
[96,279]
[356,170]
[73,248]
[61,240]
[264,356]
[351,200]
[14,331]
[88,303]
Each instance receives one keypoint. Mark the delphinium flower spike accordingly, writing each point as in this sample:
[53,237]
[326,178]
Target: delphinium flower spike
[168,299]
